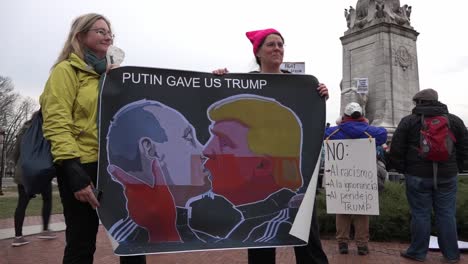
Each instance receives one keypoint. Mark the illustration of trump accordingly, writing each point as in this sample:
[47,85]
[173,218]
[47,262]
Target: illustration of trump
[253,155]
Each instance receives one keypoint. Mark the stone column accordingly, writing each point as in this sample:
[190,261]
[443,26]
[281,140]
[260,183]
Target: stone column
[380,45]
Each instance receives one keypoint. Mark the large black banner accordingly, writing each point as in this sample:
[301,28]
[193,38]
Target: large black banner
[194,161]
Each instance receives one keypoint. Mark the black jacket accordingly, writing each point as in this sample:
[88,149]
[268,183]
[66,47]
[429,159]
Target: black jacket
[215,220]
[405,142]
[267,221]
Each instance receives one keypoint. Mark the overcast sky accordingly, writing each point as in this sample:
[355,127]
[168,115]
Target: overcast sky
[204,35]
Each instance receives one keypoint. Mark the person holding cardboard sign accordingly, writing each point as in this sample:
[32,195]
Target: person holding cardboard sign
[351,126]
[268,49]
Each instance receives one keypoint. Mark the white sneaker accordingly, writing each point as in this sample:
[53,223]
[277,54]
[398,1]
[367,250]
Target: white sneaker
[19,241]
[47,234]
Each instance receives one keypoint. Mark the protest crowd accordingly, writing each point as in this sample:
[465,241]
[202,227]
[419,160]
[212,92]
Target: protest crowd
[256,187]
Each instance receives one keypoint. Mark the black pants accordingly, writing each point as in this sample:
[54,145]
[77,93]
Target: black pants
[82,223]
[312,253]
[23,201]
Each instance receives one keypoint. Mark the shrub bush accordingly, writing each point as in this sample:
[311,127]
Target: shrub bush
[393,223]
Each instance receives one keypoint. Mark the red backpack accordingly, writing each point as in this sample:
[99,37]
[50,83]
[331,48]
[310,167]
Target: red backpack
[436,139]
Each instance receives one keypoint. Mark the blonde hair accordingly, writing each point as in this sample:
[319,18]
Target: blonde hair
[274,130]
[79,25]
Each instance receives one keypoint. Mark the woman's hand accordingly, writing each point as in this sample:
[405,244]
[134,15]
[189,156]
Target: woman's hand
[111,66]
[323,90]
[86,195]
[220,71]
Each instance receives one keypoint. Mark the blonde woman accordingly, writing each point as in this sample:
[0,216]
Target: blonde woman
[69,108]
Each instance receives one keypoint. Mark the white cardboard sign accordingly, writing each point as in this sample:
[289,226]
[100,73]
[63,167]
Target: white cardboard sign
[362,85]
[350,173]
[294,67]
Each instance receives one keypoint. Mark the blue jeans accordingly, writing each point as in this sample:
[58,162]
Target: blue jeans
[422,198]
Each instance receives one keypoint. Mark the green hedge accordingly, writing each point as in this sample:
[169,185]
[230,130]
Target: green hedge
[393,223]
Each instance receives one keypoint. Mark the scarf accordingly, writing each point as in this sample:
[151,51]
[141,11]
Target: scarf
[350,119]
[99,65]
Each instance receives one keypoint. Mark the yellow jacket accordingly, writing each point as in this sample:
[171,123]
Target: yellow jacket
[69,107]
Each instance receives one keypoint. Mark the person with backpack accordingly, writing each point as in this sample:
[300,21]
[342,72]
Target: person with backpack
[354,125]
[429,147]
[24,198]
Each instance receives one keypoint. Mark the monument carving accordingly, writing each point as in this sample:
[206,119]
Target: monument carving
[403,58]
[369,12]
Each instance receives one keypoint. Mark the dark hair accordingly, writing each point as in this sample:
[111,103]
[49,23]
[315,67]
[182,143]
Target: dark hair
[424,102]
[356,115]
[261,44]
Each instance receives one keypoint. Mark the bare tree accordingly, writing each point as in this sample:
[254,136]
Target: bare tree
[22,111]
[7,98]
[14,111]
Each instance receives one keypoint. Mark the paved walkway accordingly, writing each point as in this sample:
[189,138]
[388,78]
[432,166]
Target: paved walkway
[50,251]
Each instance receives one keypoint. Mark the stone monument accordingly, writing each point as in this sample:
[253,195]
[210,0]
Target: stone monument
[380,46]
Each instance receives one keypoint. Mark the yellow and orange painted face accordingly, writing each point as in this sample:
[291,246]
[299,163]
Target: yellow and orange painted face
[233,166]
[254,149]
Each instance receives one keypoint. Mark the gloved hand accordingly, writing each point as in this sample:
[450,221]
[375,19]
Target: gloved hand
[76,176]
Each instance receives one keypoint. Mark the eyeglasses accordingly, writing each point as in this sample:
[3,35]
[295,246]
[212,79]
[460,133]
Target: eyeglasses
[103,32]
[273,44]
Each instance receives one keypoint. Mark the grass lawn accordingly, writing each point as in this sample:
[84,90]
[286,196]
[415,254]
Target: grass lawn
[10,199]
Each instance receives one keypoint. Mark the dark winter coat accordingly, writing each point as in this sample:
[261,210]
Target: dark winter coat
[356,129]
[405,143]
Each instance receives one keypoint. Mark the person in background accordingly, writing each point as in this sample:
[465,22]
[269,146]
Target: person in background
[69,107]
[23,198]
[351,126]
[2,135]
[423,194]
[268,49]
[382,173]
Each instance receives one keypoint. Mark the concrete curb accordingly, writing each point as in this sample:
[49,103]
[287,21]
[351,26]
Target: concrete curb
[31,230]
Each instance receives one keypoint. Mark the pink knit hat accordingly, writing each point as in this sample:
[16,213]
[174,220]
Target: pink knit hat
[257,36]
